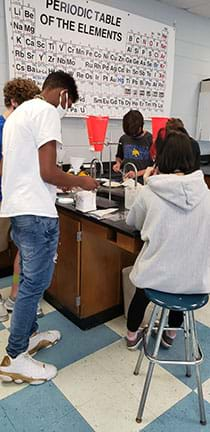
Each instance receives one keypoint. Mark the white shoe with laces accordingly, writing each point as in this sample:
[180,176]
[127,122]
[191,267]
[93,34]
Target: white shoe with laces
[24,368]
[43,340]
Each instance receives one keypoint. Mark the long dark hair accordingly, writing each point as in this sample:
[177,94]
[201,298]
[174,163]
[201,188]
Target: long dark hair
[176,155]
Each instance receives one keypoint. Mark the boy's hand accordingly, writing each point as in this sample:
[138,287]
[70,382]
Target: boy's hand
[88,183]
[116,167]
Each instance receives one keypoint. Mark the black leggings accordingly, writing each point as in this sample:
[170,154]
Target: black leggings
[137,309]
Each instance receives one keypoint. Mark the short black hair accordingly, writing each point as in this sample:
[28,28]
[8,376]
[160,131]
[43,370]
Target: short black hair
[63,80]
[133,123]
[177,154]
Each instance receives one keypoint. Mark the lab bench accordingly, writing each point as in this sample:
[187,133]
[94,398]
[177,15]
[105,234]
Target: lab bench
[87,282]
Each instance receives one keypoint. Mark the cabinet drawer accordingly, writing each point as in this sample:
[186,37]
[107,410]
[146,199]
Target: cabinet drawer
[127,243]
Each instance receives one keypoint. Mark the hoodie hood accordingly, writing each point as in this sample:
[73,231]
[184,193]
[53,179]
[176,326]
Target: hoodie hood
[184,191]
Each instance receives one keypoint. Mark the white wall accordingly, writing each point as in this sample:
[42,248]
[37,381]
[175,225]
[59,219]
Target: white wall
[192,64]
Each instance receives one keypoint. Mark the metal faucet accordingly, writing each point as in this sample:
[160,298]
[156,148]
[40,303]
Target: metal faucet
[135,170]
[93,167]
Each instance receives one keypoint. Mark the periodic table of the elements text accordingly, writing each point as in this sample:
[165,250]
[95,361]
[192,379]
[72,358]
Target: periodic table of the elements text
[119,60]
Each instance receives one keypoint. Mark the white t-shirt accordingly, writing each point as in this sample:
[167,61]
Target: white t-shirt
[31,125]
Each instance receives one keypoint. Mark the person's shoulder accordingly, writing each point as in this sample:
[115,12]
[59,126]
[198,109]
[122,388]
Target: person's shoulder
[147,135]
[40,105]
[39,108]
[145,138]
[122,139]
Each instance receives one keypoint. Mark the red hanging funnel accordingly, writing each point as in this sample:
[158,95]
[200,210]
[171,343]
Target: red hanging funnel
[96,127]
[157,124]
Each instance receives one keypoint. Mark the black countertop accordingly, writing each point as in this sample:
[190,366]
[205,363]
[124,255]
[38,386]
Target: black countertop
[120,224]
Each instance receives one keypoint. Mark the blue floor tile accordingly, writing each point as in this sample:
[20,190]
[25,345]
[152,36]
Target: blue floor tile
[38,409]
[177,350]
[73,422]
[182,417]
[5,423]
[5,281]
[75,343]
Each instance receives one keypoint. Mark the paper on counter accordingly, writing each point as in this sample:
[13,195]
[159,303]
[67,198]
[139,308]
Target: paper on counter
[100,214]
[113,184]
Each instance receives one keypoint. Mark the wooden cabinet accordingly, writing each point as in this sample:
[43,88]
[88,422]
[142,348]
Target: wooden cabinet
[87,283]
[207,180]
[65,287]
[7,260]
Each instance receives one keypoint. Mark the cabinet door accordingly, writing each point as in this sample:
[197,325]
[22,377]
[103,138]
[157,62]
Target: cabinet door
[100,271]
[65,285]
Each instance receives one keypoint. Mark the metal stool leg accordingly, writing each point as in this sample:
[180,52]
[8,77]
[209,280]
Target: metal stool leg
[187,343]
[196,355]
[148,334]
[151,367]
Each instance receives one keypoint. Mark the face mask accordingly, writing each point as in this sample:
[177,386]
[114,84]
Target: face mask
[63,111]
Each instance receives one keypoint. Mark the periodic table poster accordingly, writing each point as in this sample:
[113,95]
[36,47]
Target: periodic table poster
[120,61]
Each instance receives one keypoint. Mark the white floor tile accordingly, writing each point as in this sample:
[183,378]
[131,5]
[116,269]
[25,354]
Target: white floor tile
[203,315]
[114,410]
[46,307]
[104,383]
[5,292]
[80,381]
[7,323]
[120,363]
[118,325]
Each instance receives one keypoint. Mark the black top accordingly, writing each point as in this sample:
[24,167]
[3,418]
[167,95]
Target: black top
[135,150]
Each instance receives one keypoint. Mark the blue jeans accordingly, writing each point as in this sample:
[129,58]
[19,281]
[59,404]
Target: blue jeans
[36,237]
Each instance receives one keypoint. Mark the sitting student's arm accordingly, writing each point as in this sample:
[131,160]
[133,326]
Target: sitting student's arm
[136,214]
[50,173]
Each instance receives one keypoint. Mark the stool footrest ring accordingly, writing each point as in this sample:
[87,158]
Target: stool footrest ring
[181,362]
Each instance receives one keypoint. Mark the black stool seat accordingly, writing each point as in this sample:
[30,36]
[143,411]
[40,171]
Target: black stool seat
[177,302]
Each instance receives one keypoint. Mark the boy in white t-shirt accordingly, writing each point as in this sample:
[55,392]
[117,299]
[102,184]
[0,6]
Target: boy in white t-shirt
[29,181]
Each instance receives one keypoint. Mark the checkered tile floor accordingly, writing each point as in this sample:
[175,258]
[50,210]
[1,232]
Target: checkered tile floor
[95,389]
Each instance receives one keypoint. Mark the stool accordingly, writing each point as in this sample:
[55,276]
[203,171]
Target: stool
[163,302]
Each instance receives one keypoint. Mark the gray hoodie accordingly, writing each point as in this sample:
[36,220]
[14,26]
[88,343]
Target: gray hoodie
[173,214]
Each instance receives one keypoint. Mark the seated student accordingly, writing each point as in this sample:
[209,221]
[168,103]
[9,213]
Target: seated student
[177,124]
[134,145]
[168,213]
[15,92]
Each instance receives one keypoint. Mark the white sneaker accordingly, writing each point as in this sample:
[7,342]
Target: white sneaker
[4,316]
[24,368]
[43,340]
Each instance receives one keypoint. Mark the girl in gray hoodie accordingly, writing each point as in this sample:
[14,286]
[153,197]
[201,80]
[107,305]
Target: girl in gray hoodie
[171,211]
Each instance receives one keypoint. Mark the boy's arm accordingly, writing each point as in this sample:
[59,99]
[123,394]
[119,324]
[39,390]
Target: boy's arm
[50,173]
